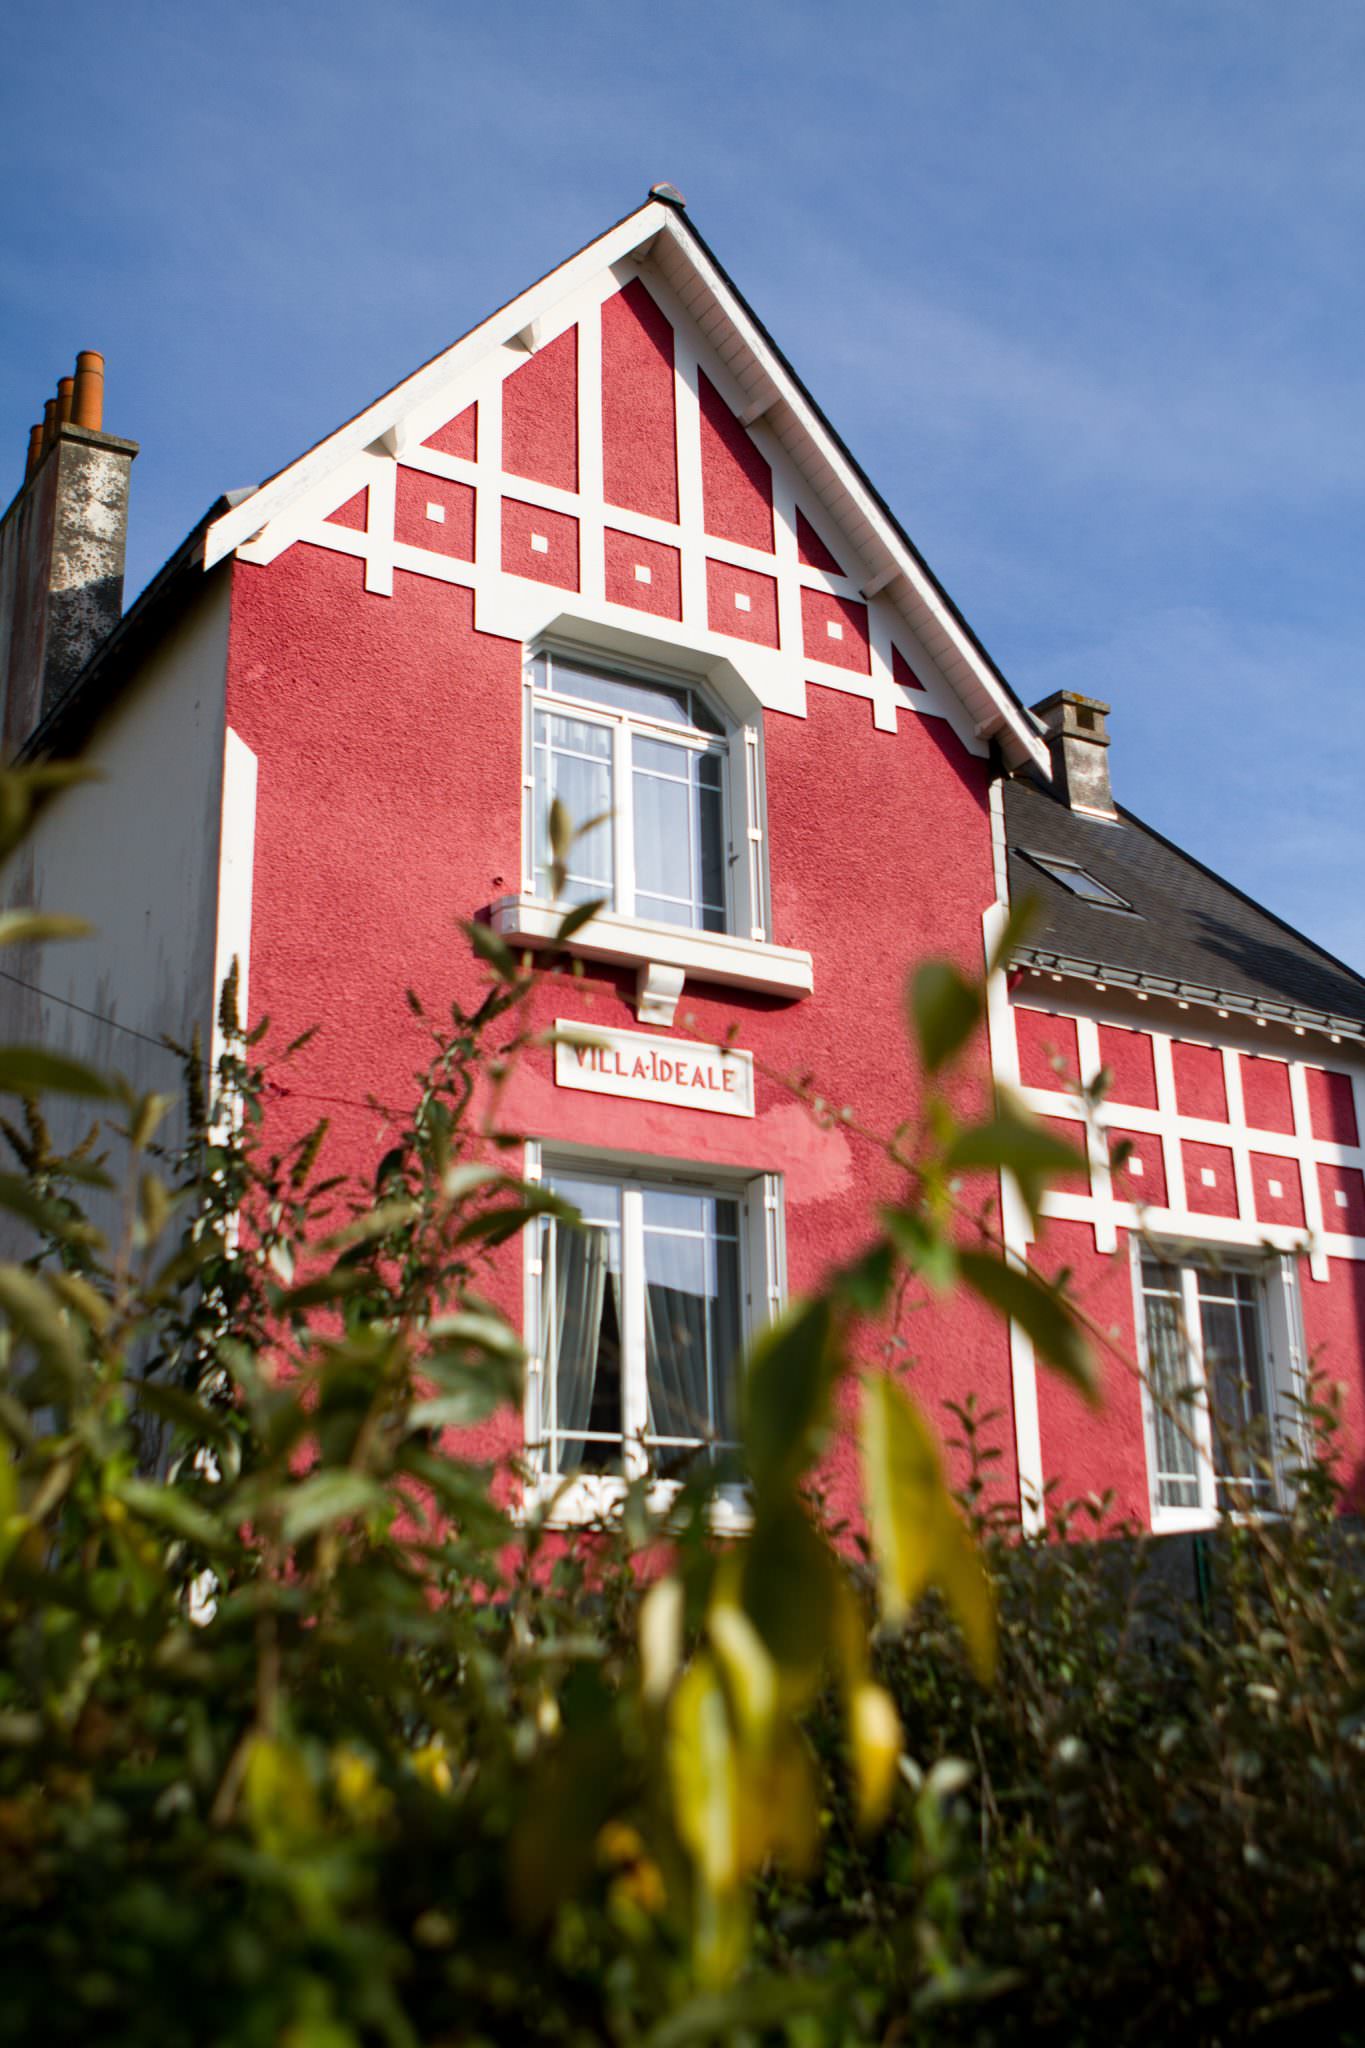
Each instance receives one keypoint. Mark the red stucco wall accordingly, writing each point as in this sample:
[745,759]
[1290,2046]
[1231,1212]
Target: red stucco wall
[388,737]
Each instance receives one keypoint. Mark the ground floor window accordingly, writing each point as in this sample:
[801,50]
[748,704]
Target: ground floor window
[1219,1338]
[640,1317]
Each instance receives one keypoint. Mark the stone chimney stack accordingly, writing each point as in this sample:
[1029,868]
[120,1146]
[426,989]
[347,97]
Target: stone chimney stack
[61,552]
[1078,741]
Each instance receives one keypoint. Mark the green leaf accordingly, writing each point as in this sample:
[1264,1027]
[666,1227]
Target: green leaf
[35,1314]
[561,830]
[917,1534]
[575,919]
[787,1383]
[945,1010]
[24,1070]
[790,1586]
[925,1248]
[457,1182]
[466,1397]
[18,1196]
[333,1286]
[494,1226]
[182,1410]
[147,1115]
[754,2008]
[865,1284]
[171,1509]
[328,1497]
[1018,1143]
[36,926]
[490,948]
[487,1333]
[377,1222]
[1023,916]
[1041,1312]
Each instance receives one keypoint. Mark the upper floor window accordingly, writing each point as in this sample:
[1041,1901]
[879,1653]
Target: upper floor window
[642,764]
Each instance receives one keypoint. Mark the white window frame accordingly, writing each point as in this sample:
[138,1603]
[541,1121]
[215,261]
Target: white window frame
[740,747]
[1275,1277]
[593,1497]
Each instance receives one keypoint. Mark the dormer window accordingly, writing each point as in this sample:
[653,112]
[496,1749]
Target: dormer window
[660,771]
[641,763]
[1080,882]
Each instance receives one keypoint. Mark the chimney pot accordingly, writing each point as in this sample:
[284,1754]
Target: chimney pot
[61,552]
[88,402]
[1078,740]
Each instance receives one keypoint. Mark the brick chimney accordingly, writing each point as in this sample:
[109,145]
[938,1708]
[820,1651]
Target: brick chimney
[61,552]
[1078,741]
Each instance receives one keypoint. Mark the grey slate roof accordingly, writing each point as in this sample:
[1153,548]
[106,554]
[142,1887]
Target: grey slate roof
[1195,936]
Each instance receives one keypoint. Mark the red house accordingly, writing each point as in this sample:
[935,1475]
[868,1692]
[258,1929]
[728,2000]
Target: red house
[607,547]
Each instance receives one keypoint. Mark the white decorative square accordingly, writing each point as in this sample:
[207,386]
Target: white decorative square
[1277,1189]
[1135,1166]
[1341,1198]
[1208,1176]
[643,573]
[743,601]
[438,513]
[834,629]
[539,544]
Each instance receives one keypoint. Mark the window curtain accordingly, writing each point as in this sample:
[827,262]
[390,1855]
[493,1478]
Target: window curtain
[580,1292]
[675,1362]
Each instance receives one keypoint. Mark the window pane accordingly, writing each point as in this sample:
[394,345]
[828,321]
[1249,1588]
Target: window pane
[711,841]
[583,1358]
[679,835]
[1234,1372]
[573,763]
[692,1321]
[663,832]
[1169,1367]
[647,700]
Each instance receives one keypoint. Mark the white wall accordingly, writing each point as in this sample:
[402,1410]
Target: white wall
[137,854]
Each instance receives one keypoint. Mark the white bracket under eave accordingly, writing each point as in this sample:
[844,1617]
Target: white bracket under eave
[656,993]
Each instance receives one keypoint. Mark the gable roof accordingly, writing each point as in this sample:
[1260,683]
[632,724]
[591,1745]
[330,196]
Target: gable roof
[1192,936]
[661,230]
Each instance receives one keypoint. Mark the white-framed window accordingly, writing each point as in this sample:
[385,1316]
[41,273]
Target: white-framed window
[665,779]
[1222,1351]
[637,1321]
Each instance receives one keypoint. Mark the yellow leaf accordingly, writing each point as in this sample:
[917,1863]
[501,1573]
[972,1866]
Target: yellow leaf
[917,1534]
[780,1806]
[703,1775]
[751,1676]
[874,1731]
[965,1585]
[661,1638]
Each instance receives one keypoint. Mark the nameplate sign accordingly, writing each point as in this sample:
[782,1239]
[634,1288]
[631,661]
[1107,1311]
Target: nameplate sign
[651,1069]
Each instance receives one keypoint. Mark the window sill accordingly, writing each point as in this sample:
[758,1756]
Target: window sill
[594,1500]
[663,955]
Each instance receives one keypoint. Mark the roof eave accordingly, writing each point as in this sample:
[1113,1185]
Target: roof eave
[1070,967]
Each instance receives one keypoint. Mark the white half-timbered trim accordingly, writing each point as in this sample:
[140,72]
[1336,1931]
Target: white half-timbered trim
[657,243]
[1107,1214]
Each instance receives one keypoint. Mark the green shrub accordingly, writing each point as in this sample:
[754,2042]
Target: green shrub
[306,1739]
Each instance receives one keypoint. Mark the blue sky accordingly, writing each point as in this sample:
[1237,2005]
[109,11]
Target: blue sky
[1080,284]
